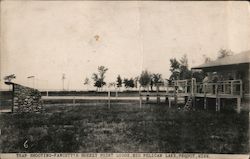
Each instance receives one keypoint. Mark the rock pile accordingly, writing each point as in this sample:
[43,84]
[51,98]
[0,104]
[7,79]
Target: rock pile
[26,99]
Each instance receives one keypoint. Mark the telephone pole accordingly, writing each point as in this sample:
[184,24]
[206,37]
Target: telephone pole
[63,78]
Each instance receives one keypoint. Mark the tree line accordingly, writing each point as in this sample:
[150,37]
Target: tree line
[145,80]
[179,70]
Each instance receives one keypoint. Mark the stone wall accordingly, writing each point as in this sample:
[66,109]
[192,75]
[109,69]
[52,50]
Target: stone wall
[26,99]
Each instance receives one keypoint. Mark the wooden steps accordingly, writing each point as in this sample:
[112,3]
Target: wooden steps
[188,105]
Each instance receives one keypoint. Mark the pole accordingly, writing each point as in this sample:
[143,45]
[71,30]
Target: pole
[217,98]
[13,98]
[140,97]
[63,78]
[157,94]
[147,99]
[175,94]
[166,97]
[116,93]
[109,99]
[63,84]
[205,95]
[238,105]
[140,101]
[74,100]
[231,88]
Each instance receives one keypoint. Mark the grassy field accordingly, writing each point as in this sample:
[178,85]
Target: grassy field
[124,128]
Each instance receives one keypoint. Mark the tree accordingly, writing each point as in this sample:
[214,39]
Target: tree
[175,69]
[136,80]
[9,78]
[184,61]
[112,84]
[199,76]
[99,77]
[86,81]
[185,73]
[145,79]
[126,83]
[224,53]
[156,78]
[119,81]
[129,83]
[151,84]
[207,59]
[179,69]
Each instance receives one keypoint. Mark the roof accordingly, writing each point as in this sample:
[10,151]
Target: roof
[241,58]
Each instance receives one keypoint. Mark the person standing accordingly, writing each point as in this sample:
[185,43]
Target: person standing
[204,83]
[215,80]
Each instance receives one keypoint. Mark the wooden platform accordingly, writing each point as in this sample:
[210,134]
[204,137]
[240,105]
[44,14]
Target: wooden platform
[230,89]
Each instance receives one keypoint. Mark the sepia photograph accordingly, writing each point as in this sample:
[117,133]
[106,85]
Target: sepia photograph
[133,78]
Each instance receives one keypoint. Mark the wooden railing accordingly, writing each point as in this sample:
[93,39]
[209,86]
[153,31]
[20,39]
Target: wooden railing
[228,87]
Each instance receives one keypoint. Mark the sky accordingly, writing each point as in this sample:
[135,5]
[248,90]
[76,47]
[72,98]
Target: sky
[48,38]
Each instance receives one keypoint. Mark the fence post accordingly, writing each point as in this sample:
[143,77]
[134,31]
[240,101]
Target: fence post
[231,87]
[157,94]
[140,97]
[140,101]
[192,87]
[109,99]
[241,89]
[186,86]
[166,99]
[238,105]
[205,95]
[167,90]
[74,100]
[219,104]
[13,98]
[217,98]
[147,98]
[224,88]
[116,93]
[175,94]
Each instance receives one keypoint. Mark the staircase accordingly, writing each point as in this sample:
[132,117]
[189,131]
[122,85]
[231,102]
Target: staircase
[188,105]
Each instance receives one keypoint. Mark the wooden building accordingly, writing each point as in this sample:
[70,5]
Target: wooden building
[233,68]
[226,79]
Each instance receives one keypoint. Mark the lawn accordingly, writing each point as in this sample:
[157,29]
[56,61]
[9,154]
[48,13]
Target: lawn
[124,128]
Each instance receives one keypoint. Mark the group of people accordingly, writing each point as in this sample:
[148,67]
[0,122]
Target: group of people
[215,79]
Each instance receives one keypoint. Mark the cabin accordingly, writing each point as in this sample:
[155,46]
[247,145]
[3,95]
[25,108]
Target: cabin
[231,72]
[226,80]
